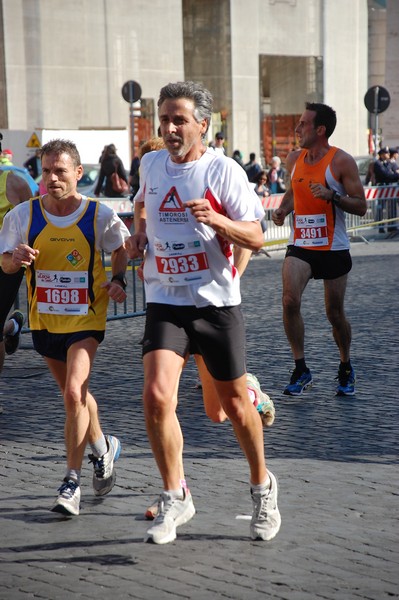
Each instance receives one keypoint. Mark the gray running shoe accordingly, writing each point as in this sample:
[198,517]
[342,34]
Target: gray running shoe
[68,500]
[172,512]
[104,475]
[266,519]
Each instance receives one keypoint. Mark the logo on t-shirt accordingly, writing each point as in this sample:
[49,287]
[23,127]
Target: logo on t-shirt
[172,202]
[75,258]
[172,209]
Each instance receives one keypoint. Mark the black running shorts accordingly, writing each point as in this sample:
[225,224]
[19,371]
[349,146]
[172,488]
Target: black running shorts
[56,345]
[325,264]
[217,333]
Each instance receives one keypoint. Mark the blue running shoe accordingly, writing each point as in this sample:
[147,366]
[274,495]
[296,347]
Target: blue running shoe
[346,382]
[299,383]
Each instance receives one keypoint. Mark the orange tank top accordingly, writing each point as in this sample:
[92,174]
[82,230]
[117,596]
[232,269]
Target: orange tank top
[314,218]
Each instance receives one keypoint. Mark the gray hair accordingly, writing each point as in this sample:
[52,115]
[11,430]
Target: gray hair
[202,98]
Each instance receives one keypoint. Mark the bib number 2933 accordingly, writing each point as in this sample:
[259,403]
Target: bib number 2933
[181,262]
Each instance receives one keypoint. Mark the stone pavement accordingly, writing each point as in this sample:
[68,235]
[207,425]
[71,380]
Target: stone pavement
[336,460]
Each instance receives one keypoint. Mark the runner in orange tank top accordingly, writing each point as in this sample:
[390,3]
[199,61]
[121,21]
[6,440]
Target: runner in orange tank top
[325,185]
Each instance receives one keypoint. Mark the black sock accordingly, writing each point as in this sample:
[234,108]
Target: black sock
[300,366]
[345,366]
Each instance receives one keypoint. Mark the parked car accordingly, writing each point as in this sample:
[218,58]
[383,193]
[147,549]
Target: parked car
[24,173]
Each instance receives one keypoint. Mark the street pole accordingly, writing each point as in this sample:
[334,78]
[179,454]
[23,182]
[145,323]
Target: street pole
[131,132]
[376,92]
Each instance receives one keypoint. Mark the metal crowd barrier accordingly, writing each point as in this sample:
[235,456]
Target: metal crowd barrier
[382,208]
[382,211]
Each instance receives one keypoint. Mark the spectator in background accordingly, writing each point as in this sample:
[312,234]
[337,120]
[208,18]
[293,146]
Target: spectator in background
[276,177]
[393,159]
[6,157]
[110,164]
[393,202]
[34,164]
[260,186]
[218,143]
[237,156]
[252,168]
[103,153]
[385,175]
[134,175]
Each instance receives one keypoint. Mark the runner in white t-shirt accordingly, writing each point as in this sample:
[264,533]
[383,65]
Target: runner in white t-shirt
[194,205]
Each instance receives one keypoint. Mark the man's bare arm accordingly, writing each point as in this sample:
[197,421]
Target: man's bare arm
[17,189]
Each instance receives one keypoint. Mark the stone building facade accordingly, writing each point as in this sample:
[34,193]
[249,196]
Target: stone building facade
[63,64]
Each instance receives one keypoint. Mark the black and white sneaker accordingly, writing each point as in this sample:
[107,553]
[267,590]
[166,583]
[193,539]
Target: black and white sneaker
[11,342]
[104,475]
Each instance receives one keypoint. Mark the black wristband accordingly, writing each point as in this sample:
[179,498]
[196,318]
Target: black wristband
[121,278]
[336,199]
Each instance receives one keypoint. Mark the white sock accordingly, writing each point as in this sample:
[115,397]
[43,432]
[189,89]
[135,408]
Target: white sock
[15,327]
[99,447]
[261,488]
[73,474]
[176,494]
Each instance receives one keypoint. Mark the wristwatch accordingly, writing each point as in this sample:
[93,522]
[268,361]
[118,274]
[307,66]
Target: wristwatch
[121,278]
[336,199]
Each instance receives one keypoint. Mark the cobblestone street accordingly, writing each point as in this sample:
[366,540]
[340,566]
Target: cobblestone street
[336,460]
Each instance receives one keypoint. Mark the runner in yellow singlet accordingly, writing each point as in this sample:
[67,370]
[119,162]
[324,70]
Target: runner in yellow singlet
[59,237]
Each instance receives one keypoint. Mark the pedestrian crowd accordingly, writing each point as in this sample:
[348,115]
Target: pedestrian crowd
[197,219]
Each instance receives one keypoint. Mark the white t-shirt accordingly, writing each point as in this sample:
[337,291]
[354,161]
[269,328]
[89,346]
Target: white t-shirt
[188,263]
[111,231]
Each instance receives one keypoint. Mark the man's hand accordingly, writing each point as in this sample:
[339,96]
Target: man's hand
[320,191]
[24,255]
[115,291]
[136,245]
[202,211]
[278,216]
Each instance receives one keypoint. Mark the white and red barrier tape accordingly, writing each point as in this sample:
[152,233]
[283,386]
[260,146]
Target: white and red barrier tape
[372,193]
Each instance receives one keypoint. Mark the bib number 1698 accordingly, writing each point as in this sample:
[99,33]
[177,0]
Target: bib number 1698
[63,296]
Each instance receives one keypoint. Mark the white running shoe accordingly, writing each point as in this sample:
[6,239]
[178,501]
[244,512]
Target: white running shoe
[263,403]
[104,475]
[266,518]
[68,500]
[172,512]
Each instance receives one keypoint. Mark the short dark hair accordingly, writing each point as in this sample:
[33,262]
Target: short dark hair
[202,98]
[325,115]
[62,147]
